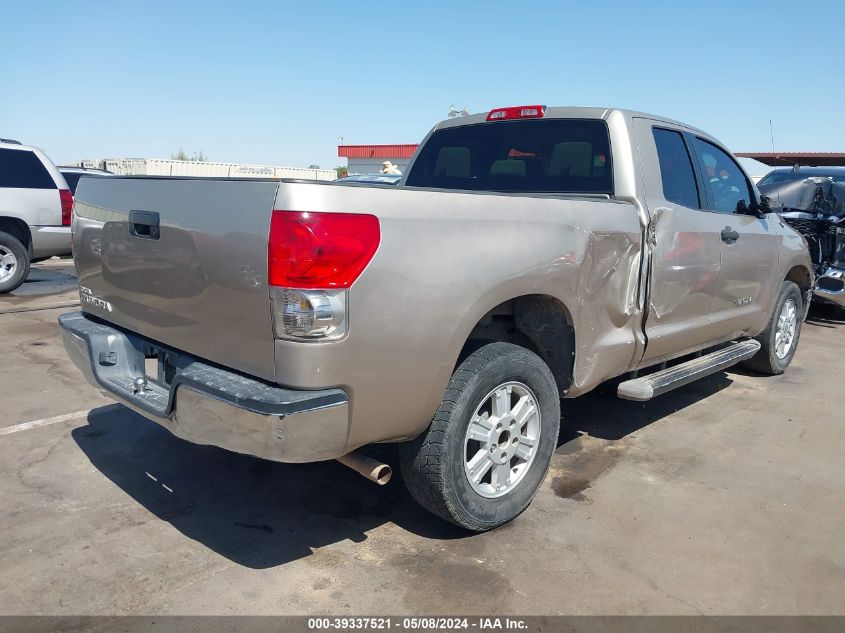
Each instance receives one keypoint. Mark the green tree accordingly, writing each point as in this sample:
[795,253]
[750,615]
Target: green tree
[182,155]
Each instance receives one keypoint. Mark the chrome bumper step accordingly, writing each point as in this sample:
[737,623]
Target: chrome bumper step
[647,387]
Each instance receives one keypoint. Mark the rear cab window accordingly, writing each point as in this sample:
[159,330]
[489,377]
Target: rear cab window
[22,169]
[676,170]
[528,156]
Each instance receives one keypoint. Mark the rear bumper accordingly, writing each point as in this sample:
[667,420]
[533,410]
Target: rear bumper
[205,404]
[830,286]
[50,240]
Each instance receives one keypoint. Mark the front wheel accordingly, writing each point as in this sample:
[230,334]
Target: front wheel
[490,444]
[780,338]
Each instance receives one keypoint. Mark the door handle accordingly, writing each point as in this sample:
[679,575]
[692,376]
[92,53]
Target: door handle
[144,224]
[729,236]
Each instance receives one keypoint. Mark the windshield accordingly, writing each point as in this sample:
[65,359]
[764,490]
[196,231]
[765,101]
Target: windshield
[531,156]
[776,177]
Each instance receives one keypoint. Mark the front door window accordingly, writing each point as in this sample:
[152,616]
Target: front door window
[726,184]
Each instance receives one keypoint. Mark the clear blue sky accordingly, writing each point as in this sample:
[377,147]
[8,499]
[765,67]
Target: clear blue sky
[277,83]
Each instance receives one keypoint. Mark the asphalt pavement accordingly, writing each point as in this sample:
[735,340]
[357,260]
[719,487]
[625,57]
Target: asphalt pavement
[724,497]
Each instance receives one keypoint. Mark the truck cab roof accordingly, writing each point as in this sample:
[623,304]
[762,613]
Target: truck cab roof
[570,112]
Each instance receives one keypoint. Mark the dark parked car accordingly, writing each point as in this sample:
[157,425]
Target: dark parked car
[812,201]
[780,176]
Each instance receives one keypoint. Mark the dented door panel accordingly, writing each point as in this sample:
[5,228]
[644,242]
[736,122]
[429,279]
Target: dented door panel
[684,261]
[684,278]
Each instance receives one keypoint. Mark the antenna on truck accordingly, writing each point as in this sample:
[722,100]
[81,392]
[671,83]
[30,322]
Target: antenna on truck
[772,137]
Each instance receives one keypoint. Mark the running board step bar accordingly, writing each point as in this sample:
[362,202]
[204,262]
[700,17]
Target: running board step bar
[647,387]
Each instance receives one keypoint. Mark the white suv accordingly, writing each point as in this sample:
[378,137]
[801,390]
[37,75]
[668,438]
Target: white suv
[35,211]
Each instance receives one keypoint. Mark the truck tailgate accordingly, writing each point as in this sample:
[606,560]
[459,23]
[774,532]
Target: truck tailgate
[197,283]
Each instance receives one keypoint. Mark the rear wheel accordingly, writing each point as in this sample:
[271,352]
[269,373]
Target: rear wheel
[14,262]
[780,338]
[490,443]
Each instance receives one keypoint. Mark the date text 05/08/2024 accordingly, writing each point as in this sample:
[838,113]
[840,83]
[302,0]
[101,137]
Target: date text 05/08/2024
[416,624]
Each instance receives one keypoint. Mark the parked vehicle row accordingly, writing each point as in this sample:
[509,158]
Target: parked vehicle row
[528,255]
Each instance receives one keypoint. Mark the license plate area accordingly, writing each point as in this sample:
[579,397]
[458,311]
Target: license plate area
[159,365]
[151,368]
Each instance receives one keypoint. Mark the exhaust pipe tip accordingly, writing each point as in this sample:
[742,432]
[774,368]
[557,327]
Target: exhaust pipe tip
[382,474]
[371,469]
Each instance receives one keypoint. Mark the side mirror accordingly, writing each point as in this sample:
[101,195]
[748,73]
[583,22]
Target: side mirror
[758,209]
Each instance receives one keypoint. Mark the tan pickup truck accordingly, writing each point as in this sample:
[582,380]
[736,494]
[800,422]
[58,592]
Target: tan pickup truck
[527,255]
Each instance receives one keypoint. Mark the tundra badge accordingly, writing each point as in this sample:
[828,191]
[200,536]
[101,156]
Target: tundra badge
[87,298]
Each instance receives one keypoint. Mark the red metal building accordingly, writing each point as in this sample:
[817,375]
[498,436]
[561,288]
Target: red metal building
[368,159]
[788,159]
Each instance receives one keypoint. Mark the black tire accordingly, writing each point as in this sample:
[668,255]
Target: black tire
[432,465]
[21,255]
[766,361]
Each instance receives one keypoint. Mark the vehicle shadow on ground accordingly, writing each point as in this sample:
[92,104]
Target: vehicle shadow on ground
[261,514]
[257,513]
[826,316]
[602,415]
[46,279]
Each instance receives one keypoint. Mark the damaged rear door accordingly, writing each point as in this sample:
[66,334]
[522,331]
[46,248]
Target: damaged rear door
[685,242]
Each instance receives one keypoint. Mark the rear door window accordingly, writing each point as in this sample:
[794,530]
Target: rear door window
[726,185]
[676,171]
[23,169]
[530,156]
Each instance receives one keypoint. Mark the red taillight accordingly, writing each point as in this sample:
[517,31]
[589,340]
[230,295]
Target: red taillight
[320,250]
[517,112]
[66,198]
